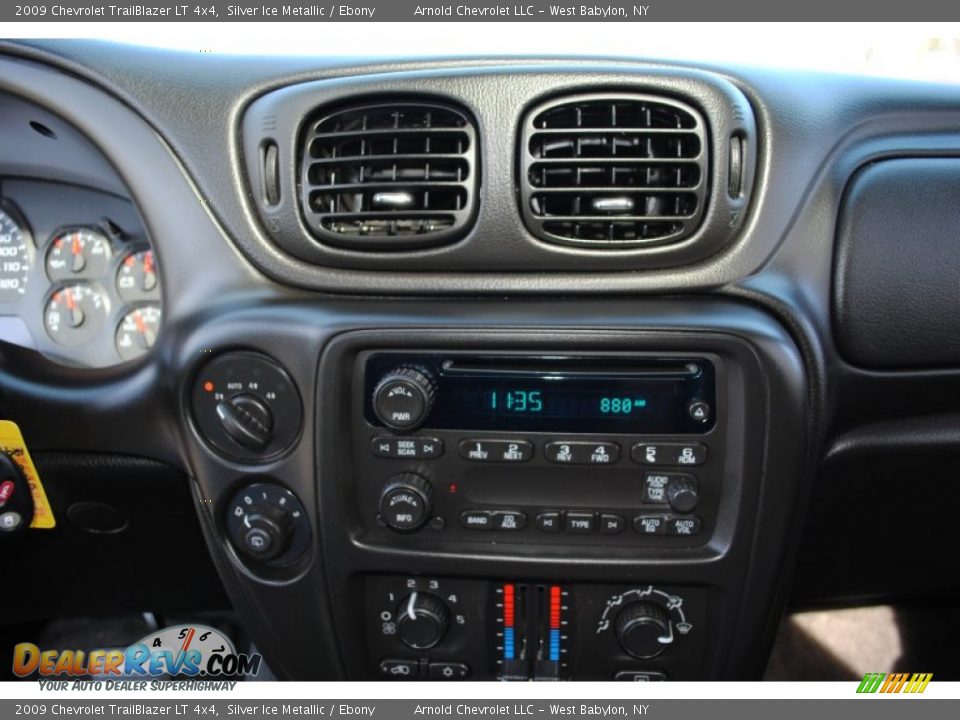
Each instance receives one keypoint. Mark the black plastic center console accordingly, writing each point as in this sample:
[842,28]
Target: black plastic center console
[581,491]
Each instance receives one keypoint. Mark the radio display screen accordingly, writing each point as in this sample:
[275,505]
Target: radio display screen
[575,395]
[558,400]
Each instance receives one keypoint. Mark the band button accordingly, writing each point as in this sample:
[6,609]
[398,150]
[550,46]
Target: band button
[476,519]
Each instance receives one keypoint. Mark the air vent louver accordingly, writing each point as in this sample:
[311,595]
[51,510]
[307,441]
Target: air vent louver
[393,176]
[613,170]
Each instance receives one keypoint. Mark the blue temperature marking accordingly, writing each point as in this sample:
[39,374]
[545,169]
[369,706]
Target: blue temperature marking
[508,643]
[555,645]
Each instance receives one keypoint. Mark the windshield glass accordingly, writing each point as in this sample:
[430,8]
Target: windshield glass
[924,51]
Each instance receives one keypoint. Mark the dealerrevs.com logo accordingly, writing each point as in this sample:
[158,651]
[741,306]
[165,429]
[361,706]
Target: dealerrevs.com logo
[184,651]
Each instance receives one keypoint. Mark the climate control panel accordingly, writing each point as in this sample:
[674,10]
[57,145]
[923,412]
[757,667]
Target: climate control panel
[449,628]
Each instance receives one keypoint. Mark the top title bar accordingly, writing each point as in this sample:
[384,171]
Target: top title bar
[558,11]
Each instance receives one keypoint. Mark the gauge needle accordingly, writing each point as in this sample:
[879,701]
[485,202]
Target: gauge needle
[149,276]
[148,335]
[76,314]
[78,259]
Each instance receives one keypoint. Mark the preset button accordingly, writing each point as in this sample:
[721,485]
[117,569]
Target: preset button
[677,454]
[577,452]
[502,451]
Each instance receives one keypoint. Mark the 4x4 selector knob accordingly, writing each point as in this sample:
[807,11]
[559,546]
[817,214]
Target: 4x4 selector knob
[422,620]
[643,629]
[403,398]
[406,501]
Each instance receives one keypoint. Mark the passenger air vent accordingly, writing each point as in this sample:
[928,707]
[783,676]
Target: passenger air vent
[613,171]
[392,176]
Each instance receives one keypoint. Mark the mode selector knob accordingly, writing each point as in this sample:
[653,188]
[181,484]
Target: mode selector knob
[644,630]
[406,501]
[422,620]
[403,398]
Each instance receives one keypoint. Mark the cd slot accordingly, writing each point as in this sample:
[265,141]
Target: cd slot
[569,367]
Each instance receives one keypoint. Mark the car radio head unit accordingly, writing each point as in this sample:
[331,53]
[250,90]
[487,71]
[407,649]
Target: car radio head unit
[569,394]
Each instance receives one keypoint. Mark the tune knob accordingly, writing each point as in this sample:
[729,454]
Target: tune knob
[403,398]
[682,494]
[422,620]
[247,420]
[643,629]
[406,501]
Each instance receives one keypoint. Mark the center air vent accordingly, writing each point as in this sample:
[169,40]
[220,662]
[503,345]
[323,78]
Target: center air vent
[613,171]
[393,176]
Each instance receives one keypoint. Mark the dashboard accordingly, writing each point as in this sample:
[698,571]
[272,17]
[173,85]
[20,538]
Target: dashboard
[482,369]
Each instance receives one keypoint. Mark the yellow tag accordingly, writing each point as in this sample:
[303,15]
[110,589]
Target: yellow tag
[11,442]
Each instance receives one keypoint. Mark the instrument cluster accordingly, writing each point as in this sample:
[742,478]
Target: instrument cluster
[78,278]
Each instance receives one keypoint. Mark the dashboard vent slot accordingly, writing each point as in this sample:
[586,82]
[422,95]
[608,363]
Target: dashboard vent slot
[395,176]
[613,171]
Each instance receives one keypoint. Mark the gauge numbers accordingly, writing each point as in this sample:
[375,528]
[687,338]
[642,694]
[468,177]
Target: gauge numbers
[137,331]
[14,258]
[75,313]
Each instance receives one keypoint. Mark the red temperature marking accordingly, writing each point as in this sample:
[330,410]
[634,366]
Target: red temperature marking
[554,607]
[508,605]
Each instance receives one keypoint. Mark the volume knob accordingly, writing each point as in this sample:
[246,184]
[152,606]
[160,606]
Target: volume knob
[403,398]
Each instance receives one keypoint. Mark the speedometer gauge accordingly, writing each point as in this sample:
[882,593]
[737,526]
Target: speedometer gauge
[14,256]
